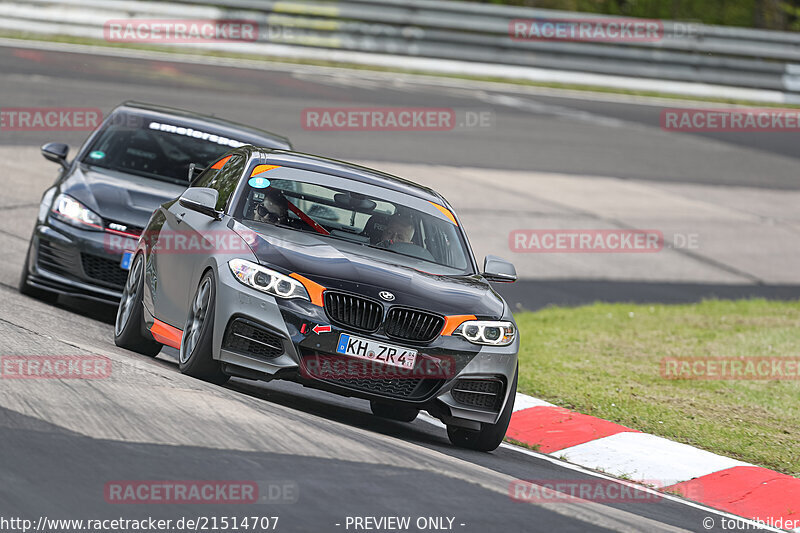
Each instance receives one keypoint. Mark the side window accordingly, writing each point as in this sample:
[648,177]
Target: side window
[224,178]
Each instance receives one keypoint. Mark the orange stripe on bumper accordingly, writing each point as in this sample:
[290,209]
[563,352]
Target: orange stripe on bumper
[166,334]
[314,289]
[453,321]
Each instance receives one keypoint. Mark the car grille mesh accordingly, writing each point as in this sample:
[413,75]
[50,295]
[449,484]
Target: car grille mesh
[352,311]
[248,338]
[401,388]
[366,378]
[55,258]
[412,325]
[104,270]
[482,393]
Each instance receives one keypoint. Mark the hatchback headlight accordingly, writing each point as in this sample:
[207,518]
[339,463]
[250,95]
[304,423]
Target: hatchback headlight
[68,209]
[266,280]
[492,333]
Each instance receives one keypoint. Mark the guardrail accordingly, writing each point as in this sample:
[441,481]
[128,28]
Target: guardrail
[479,33]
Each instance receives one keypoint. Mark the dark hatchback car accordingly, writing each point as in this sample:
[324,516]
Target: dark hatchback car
[279,265]
[91,217]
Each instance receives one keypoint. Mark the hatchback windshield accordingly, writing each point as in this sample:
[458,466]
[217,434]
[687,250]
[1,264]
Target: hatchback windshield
[372,217]
[151,149]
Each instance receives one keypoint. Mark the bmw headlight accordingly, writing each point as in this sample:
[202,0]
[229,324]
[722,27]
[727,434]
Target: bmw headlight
[266,280]
[68,209]
[492,333]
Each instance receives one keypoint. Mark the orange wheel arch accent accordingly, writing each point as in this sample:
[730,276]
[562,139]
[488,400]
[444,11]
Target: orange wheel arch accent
[166,334]
[451,322]
[314,289]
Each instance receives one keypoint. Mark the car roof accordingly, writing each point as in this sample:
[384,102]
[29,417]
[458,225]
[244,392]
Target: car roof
[219,125]
[334,167]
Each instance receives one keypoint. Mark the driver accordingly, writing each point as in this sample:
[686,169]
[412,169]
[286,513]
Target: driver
[274,208]
[399,228]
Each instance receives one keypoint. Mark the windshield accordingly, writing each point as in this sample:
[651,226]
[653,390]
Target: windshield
[393,223]
[150,149]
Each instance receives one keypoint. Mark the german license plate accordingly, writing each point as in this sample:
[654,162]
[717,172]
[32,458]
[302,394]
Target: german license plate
[125,264]
[376,351]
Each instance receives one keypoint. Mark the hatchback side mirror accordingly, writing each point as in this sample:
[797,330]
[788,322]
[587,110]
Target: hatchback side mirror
[202,200]
[56,152]
[498,269]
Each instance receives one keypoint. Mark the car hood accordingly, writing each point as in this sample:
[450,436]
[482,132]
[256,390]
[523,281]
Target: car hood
[117,196]
[354,268]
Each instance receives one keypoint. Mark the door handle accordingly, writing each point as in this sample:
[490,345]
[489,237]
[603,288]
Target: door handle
[179,218]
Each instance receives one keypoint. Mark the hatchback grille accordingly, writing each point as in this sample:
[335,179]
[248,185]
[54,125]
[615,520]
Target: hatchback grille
[353,311]
[482,393]
[249,338]
[412,325]
[104,270]
[55,258]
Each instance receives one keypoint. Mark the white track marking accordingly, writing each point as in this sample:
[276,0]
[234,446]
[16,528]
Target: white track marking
[577,468]
[523,401]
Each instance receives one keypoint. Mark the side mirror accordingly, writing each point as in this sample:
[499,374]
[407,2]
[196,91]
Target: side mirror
[201,199]
[498,269]
[56,152]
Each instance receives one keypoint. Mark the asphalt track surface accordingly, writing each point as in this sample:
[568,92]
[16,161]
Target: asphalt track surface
[63,440]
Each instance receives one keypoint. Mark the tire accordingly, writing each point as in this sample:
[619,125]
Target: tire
[28,290]
[490,436]
[400,413]
[195,357]
[129,323]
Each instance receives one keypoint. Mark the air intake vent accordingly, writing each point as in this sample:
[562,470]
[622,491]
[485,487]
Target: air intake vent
[481,393]
[249,338]
[353,311]
[412,325]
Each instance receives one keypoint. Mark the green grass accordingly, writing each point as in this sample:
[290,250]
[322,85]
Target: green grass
[604,360]
[355,66]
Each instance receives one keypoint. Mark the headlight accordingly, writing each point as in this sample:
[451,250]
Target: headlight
[266,280]
[69,210]
[492,333]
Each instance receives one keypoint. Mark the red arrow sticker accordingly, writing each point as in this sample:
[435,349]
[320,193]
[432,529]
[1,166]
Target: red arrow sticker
[319,328]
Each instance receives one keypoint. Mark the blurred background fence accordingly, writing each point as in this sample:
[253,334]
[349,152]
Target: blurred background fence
[372,31]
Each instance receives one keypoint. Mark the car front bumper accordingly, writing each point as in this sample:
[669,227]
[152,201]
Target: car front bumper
[76,262]
[258,336]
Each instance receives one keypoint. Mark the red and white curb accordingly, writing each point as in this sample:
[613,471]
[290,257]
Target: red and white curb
[719,482]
